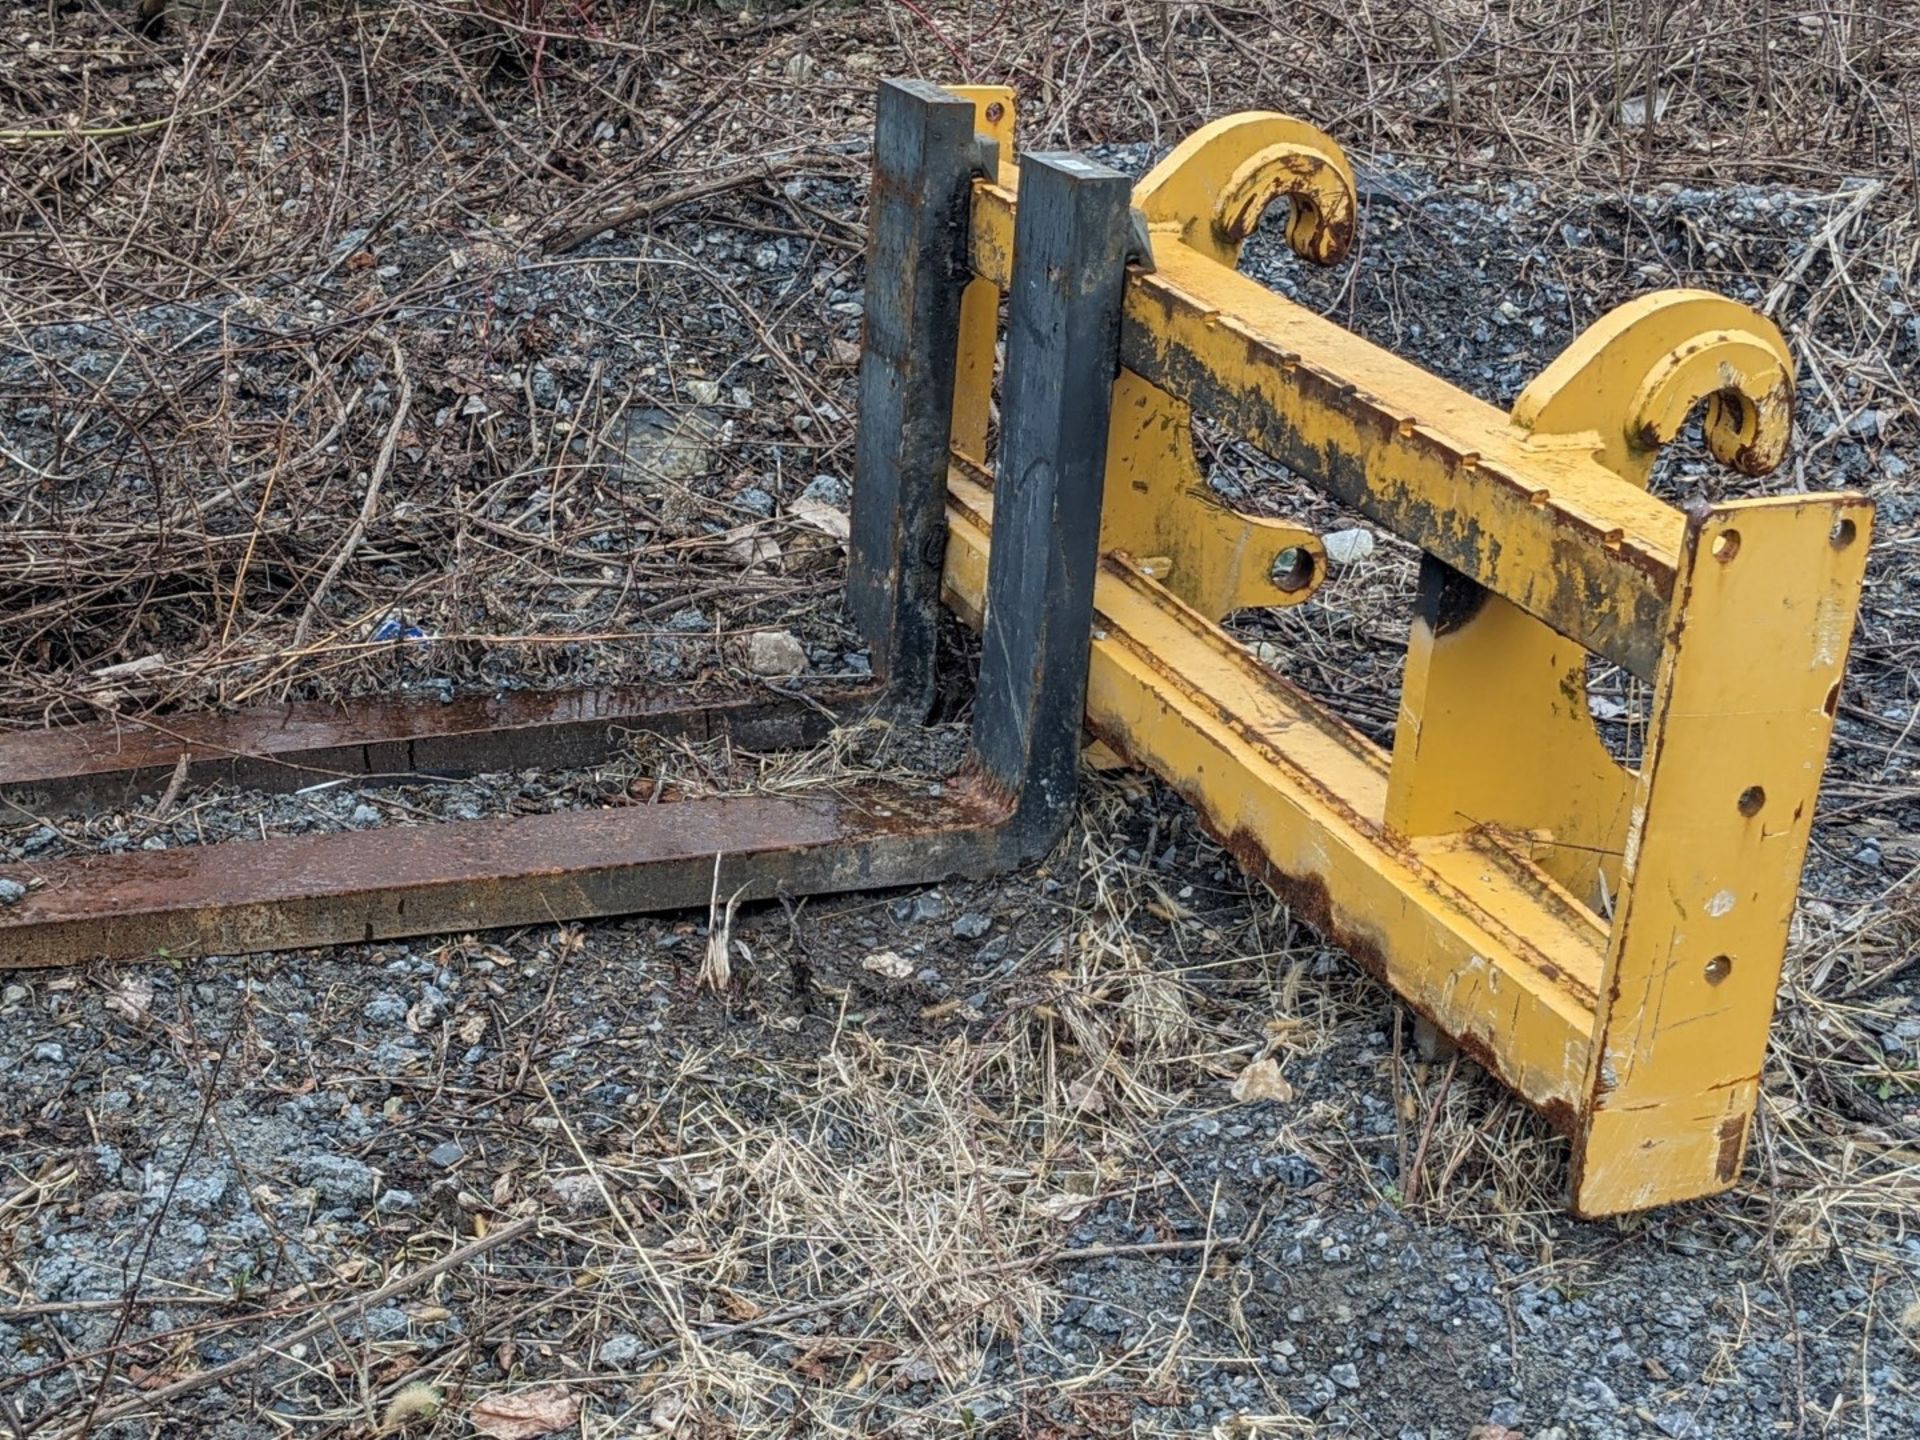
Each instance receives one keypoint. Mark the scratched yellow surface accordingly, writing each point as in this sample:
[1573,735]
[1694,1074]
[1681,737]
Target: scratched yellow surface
[1607,941]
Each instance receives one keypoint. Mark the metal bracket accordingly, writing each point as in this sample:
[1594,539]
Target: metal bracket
[1467,867]
[1139,240]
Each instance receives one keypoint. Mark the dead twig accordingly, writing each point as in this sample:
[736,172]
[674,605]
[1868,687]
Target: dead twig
[661,204]
[368,505]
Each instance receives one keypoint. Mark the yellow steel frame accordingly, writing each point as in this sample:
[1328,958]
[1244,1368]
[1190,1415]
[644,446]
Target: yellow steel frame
[1606,940]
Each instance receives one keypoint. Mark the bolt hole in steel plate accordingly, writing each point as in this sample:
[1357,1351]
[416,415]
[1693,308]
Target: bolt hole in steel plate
[1726,545]
[1843,533]
[1293,569]
[1719,968]
[1751,799]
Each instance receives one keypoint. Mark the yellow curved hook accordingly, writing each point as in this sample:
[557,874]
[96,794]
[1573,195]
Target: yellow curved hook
[1634,375]
[1217,183]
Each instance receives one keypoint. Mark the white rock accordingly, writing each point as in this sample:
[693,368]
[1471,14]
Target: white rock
[1348,547]
[1261,1080]
[775,652]
[818,515]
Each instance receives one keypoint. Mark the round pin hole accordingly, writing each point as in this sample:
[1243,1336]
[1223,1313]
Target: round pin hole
[996,112]
[1719,968]
[1292,569]
[1726,545]
[1751,799]
[1843,534]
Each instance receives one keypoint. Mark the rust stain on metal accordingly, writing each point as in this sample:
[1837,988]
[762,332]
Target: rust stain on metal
[1308,898]
[305,890]
[279,747]
[1733,1139]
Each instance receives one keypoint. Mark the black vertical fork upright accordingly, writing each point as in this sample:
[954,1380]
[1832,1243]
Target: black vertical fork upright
[923,167]
[1063,334]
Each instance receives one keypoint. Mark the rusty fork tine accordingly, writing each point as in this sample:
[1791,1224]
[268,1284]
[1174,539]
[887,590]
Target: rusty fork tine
[107,764]
[1008,805]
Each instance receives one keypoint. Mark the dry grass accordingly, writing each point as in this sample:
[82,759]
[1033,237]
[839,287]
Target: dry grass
[308,462]
[891,1210]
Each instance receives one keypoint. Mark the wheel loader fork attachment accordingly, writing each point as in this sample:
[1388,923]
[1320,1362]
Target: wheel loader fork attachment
[1605,938]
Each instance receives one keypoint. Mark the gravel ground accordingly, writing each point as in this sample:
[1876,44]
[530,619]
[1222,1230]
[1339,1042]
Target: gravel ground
[956,1161]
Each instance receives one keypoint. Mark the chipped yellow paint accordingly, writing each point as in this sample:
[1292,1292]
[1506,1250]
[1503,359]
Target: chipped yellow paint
[1494,726]
[1473,934]
[1158,505]
[1742,713]
[1606,941]
[1634,376]
[1548,527]
[1211,191]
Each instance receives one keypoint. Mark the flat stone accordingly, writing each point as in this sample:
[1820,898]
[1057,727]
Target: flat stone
[775,652]
[620,1349]
[662,446]
[828,490]
[385,1008]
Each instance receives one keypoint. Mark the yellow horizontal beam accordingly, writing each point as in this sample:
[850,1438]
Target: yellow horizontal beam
[1469,931]
[1543,524]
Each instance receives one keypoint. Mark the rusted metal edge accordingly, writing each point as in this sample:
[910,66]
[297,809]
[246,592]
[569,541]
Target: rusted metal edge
[1278,737]
[300,891]
[106,764]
